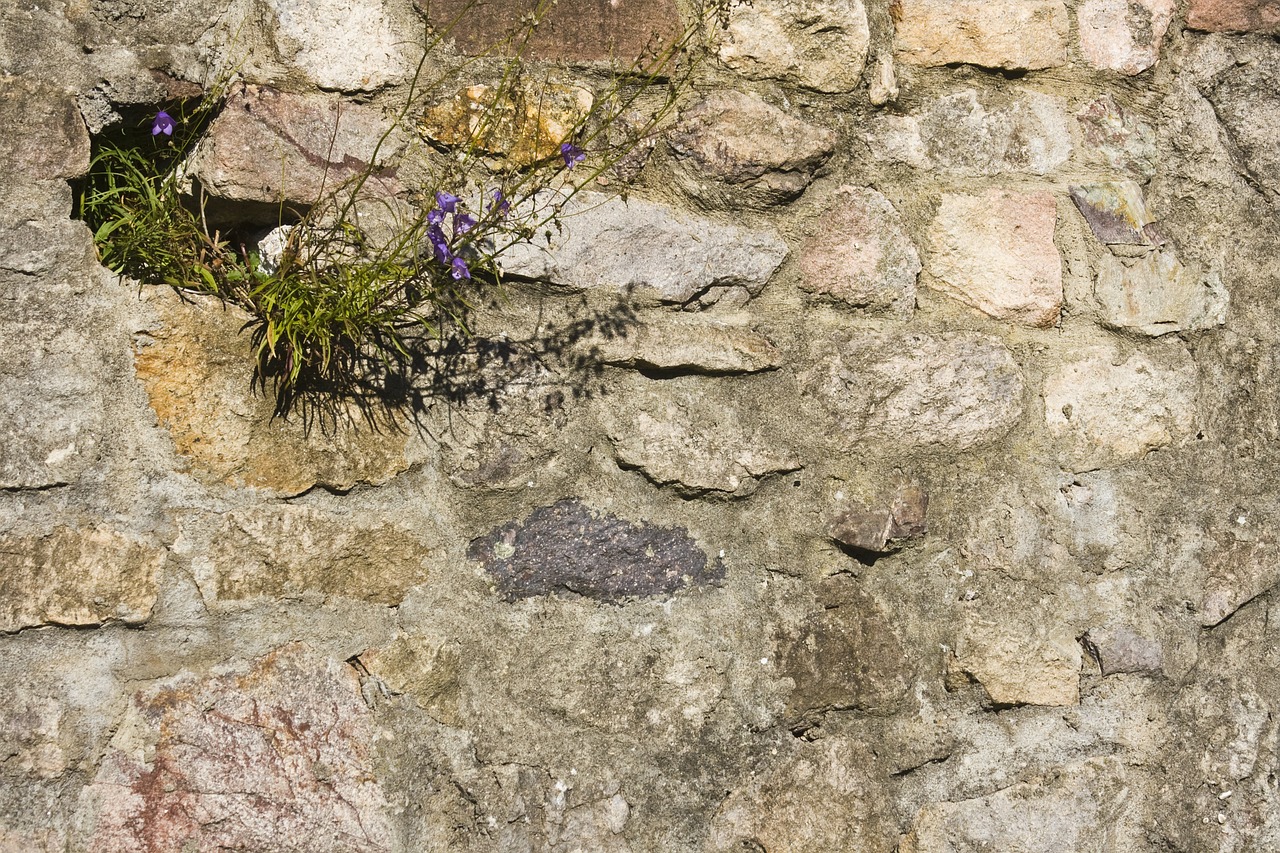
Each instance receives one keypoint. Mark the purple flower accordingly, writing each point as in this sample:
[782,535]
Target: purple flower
[500,203]
[572,155]
[435,216]
[162,124]
[460,270]
[462,223]
[448,202]
[439,245]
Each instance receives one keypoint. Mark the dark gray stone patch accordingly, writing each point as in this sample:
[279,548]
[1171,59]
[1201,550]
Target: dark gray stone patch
[570,548]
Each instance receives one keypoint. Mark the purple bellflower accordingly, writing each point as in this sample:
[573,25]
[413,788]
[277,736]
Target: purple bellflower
[439,245]
[448,202]
[462,223]
[572,155]
[500,203]
[435,216]
[163,124]
[460,270]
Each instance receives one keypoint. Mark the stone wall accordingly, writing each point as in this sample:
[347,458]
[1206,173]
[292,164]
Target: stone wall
[896,474]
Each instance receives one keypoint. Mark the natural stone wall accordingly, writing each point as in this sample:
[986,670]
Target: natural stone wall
[891,468]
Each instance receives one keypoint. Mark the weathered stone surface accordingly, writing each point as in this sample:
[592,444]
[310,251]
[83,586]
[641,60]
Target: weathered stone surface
[568,547]
[520,126]
[1020,665]
[649,249]
[1235,16]
[1246,99]
[1027,34]
[77,576]
[331,556]
[280,748]
[196,366]
[689,343]
[268,145]
[1240,568]
[792,803]
[424,667]
[978,133]
[1085,806]
[1117,138]
[860,256]
[818,44]
[573,30]
[347,45]
[905,390]
[1123,35]
[1105,407]
[882,528]
[31,730]
[736,146]
[677,433]
[1117,213]
[846,656]
[44,138]
[995,252]
[1119,649]
[1155,294]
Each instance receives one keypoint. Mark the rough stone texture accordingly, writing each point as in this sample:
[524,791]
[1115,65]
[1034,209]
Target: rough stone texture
[995,252]
[1155,294]
[195,363]
[425,667]
[732,145]
[53,142]
[1240,566]
[1124,36]
[954,390]
[1119,649]
[648,248]
[684,343]
[31,733]
[567,547]
[978,133]
[883,527]
[1117,138]
[1235,16]
[77,576]
[790,803]
[266,145]
[1117,213]
[672,433]
[1103,406]
[859,256]
[818,44]
[247,757]
[345,45]
[332,557]
[573,30]
[1007,34]
[1247,101]
[1020,664]
[522,125]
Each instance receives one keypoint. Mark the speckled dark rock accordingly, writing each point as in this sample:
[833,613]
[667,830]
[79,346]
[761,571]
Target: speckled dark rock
[568,547]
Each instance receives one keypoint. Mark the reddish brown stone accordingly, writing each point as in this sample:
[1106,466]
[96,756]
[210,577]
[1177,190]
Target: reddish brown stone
[882,529]
[581,30]
[1235,16]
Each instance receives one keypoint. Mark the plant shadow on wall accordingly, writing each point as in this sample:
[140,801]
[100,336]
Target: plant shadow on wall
[366,293]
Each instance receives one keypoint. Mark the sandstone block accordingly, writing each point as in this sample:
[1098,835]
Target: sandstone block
[1123,35]
[678,433]
[688,343]
[1117,138]
[818,44]
[1028,34]
[978,133]
[1108,408]
[281,747]
[1154,294]
[343,45]
[568,547]
[77,576]
[650,249]
[1021,666]
[736,148]
[1235,16]
[995,252]
[907,390]
[572,30]
[860,256]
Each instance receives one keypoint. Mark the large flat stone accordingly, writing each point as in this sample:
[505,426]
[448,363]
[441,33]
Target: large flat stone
[1118,138]
[995,252]
[1020,665]
[1235,16]
[904,390]
[77,576]
[687,343]
[651,250]
[42,136]
[860,256]
[1017,34]
[1123,35]
[1155,294]
[344,45]
[241,758]
[818,44]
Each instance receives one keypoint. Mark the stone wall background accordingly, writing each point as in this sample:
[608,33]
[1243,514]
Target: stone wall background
[925,497]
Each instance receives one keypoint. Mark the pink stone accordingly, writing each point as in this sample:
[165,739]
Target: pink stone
[1235,16]
[1123,35]
[1027,34]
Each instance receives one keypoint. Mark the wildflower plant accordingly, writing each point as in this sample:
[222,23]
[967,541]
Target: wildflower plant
[334,300]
